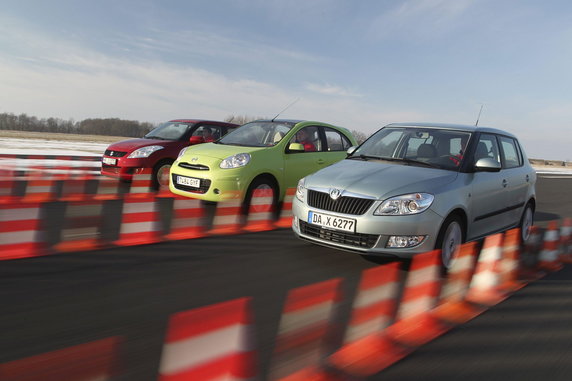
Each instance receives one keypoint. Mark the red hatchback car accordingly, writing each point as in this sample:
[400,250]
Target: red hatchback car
[159,148]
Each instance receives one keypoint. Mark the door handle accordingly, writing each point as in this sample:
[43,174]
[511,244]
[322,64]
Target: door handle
[320,161]
[504,183]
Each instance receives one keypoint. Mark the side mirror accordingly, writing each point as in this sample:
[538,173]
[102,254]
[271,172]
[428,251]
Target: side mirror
[351,150]
[296,147]
[196,139]
[487,165]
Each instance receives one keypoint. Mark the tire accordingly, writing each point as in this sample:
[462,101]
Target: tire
[265,184]
[526,222]
[161,174]
[450,236]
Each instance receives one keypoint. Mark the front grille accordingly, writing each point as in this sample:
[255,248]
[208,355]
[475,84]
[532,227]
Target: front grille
[345,205]
[366,241]
[198,167]
[114,153]
[204,187]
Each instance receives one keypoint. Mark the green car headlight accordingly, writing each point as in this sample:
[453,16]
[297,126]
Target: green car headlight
[182,152]
[235,161]
[405,204]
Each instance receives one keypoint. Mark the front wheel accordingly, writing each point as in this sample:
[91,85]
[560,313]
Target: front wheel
[161,175]
[526,222]
[262,189]
[449,239]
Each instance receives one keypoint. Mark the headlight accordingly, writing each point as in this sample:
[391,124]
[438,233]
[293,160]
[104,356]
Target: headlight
[301,189]
[144,152]
[406,204]
[182,152]
[235,161]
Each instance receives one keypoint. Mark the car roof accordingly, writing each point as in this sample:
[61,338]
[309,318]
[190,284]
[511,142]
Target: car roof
[450,126]
[284,121]
[203,121]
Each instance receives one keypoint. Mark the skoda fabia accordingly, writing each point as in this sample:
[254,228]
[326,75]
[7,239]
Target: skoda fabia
[412,188]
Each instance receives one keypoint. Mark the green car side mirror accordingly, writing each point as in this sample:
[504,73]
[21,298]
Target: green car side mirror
[296,147]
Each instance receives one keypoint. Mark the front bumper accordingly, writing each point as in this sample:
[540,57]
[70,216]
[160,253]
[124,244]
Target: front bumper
[372,232]
[125,168]
[213,188]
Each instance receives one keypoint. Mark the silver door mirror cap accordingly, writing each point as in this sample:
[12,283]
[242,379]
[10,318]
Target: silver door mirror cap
[488,164]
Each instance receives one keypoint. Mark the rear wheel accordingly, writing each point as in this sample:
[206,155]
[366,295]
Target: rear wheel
[526,222]
[450,237]
[161,174]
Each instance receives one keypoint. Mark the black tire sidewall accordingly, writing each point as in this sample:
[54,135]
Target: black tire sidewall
[255,184]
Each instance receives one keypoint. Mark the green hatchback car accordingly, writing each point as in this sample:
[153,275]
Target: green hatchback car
[270,155]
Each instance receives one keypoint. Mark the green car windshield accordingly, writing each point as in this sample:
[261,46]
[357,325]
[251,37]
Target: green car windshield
[256,134]
[438,148]
[169,131]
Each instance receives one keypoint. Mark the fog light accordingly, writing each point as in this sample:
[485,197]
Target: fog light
[403,241]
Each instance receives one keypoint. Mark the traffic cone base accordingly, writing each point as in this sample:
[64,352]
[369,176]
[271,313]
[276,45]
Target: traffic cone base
[457,312]
[417,330]
[367,356]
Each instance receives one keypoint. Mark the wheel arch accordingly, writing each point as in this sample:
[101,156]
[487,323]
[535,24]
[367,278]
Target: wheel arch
[459,212]
[267,176]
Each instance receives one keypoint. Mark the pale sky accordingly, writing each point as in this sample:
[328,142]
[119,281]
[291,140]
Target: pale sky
[359,64]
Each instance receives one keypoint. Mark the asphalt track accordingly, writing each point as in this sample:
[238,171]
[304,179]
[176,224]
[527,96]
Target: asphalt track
[54,302]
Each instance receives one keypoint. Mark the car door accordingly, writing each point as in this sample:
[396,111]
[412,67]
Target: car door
[300,164]
[488,196]
[517,177]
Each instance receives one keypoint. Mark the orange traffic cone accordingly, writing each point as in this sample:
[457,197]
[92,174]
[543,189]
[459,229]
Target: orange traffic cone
[549,255]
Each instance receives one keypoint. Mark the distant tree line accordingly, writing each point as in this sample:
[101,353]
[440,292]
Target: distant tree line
[96,126]
[107,126]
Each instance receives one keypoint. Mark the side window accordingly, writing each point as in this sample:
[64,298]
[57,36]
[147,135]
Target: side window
[510,152]
[335,140]
[309,137]
[209,133]
[487,147]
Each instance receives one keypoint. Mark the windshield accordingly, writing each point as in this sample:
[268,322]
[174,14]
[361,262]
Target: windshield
[169,131]
[439,148]
[257,134]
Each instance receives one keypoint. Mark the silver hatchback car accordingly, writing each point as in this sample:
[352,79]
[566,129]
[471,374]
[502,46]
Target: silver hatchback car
[412,188]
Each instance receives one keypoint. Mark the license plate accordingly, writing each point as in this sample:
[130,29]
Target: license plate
[109,161]
[189,181]
[333,222]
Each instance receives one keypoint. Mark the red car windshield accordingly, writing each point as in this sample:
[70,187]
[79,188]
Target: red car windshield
[169,131]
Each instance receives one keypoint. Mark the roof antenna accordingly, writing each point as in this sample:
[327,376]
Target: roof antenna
[287,107]
[479,116]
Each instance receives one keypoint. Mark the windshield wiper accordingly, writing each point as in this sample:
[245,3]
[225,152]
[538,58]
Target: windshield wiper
[365,157]
[411,161]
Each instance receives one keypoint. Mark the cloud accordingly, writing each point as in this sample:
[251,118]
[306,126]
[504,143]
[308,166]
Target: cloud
[419,18]
[327,89]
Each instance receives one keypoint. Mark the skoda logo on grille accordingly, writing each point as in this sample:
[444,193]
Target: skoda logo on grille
[335,193]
